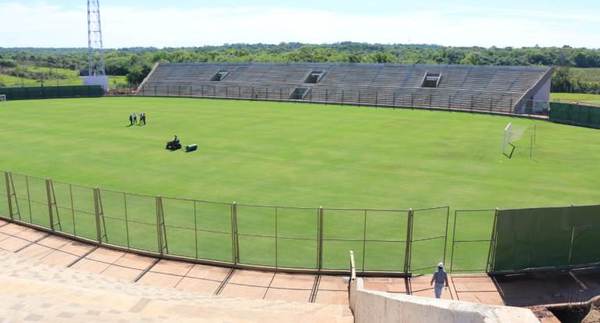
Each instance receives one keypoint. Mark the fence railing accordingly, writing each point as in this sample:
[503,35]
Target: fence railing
[445,99]
[299,239]
[279,237]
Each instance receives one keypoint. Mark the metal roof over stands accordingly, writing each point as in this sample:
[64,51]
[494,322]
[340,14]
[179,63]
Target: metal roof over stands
[500,89]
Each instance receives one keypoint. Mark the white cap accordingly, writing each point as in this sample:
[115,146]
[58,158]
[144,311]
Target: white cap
[441,265]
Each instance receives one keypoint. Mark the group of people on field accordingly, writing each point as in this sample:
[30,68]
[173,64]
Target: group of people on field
[133,119]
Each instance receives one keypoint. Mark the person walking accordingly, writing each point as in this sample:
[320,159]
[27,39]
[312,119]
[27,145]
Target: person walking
[131,120]
[440,278]
[143,118]
[134,118]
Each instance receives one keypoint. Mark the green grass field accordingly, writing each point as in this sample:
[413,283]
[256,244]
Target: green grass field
[291,155]
[586,74]
[576,98]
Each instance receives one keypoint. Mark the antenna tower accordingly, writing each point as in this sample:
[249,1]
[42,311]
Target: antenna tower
[96,68]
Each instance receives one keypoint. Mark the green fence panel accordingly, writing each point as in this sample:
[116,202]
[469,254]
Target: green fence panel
[180,228]
[546,237]
[213,222]
[585,226]
[343,230]
[575,114]
[141,221]
[31,200]
[430,232]
[115,226]
[595,117]
[65,207]
[297,236]
[256,235]
[51,92]
[471,238]
[385,241]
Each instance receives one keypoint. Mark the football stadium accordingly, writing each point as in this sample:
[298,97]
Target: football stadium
[328,192]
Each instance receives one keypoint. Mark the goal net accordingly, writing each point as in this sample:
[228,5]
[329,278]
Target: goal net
[513,134]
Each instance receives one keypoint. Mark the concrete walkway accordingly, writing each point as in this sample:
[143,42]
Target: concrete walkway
[516,290]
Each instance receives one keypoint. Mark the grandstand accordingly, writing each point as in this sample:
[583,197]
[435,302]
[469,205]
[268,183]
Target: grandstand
[495,89]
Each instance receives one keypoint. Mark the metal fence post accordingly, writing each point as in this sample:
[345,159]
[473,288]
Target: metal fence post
[97,215]
[8,194]
[492,250]
[408,250]
[453,241]
[72,209]
[446,234]
[49,200]
[159,225]
[364,247]
[126,220]
[235,245]
[276,236]
[196,229]
[320,238]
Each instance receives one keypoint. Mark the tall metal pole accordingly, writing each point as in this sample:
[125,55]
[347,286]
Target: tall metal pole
[95,44]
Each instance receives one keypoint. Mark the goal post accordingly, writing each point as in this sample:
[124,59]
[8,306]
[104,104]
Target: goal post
[508,148]
[513,134]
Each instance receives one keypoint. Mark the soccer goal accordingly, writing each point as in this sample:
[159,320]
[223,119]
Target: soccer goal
[524,135]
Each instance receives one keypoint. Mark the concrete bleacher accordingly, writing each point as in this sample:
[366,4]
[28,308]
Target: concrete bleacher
[496,89]
[35,291]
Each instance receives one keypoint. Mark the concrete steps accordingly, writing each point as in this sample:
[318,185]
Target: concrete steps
[32,291]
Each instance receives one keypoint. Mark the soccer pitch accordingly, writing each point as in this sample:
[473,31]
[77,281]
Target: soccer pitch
[266,153]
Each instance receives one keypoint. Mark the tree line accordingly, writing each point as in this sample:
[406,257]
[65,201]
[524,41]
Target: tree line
[135,63]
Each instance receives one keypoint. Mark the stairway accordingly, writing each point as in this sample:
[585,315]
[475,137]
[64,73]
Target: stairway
[32,291]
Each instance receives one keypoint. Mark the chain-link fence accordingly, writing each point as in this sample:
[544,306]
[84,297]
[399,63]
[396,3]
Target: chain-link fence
[446,99]
[310,239]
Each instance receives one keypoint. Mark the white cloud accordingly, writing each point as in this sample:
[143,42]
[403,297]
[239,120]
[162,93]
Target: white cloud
[45,25]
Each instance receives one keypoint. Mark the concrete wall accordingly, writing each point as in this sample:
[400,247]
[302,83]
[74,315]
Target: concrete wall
[374,307]
[543,94]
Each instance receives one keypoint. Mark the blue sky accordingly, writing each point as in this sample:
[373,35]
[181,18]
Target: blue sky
[128,23]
